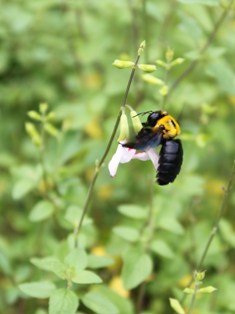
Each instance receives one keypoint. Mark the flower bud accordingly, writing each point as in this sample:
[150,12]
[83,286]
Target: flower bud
[51,116]
[152,79]
[50,129]
[164,90]
[137,125]
[177,61]
[141,48]
[147,67]
[208,289]
[121,64]
[43,107]
[33,133]
[162,64]
[199,276]
[124,128]
[34,115]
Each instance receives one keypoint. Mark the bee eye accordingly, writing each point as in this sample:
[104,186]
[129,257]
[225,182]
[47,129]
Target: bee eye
[154,117]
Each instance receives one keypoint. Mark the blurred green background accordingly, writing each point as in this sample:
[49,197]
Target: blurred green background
[61,53]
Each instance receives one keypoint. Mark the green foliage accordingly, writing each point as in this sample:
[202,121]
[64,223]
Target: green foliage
[140,243]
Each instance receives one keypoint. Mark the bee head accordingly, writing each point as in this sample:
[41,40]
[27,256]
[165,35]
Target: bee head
[154,117]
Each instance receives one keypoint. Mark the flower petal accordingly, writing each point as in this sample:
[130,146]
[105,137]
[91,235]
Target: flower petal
[153,156]
[122,155]
[141,156]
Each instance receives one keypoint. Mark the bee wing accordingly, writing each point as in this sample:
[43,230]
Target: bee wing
[146,138]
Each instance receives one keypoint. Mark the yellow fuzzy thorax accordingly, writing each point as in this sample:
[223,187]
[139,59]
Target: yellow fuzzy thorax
[170,126]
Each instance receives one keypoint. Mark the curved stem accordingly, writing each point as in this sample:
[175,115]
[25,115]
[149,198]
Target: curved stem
[101,162]
[215,227]
[193,298]
[194,63]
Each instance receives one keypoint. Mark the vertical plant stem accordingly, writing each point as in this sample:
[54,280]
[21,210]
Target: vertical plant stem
[193,298]
[101,162]
[140,298]
[194,63]
[215,227]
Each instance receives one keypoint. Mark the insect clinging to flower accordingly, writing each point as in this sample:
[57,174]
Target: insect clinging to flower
[160,128]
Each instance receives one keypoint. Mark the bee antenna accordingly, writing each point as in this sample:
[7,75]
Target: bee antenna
[143,113]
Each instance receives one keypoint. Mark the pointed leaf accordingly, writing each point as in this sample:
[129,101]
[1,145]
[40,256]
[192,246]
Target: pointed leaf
[41,211]
[63,301]
[133,211]
[99,303]
[52,264]
[38,289]
[126,233]
[95,261]
[137,267]
[176,306]
[86,277]
[160,247]
[77,259]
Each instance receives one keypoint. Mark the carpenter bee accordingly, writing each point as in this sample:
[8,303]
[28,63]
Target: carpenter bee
[161,129]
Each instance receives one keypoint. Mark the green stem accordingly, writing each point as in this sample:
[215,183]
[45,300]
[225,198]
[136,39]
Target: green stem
[101,162]
[215,227]
[194,63]
[196,285]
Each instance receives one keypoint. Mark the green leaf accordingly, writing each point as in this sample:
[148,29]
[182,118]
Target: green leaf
[205,2]
[63,301]
[41,211]
[52,264]
[137,266]
[76,259]
[21,188]
[86,277]
[124,305]
[227,232]
[176,306]
[208,289]
[133,211]
[95,261]
[160,247]
[99,303]
[126,233]
[73,214]
[38,289]
[224,75]
[170,224]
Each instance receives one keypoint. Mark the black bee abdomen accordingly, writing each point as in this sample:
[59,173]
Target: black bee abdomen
[170,161]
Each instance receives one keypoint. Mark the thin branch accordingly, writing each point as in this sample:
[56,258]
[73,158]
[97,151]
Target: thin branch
[215,227]
[193,298]
[194,63]
[100,163]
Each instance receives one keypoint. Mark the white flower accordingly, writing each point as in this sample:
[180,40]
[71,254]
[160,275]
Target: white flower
[125,154]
